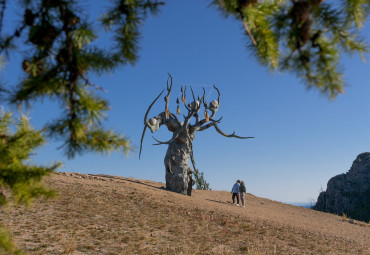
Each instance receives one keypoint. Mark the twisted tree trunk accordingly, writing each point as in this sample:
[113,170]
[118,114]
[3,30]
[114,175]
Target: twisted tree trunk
[178,170]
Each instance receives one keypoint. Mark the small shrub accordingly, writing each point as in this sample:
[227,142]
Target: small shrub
[200,182]
[344,217]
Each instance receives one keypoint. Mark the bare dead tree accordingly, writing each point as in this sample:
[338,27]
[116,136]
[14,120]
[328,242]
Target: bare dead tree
[180,146]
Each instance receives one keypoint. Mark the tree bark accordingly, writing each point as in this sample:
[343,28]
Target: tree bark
[178,170]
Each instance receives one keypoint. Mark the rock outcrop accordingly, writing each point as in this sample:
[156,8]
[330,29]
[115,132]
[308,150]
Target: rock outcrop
[349,193]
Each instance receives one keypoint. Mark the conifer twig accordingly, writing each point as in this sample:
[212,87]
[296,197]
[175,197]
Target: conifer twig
[97,87]
[3,7]
[249,32]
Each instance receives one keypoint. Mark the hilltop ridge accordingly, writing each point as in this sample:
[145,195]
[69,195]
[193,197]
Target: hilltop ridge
[102,214]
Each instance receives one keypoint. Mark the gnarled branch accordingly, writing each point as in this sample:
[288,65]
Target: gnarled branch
[150,106]
[178,131]
[219,95]
[175,117]
[206,126]
[198,125]
[212,107]
[231,135]
[167,97]
[183,99]
[146,122]
[142,138]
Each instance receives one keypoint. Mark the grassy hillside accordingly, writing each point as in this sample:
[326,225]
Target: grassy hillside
[96,214]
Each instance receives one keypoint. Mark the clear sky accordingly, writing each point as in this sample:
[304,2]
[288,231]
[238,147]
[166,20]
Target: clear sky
[302,138]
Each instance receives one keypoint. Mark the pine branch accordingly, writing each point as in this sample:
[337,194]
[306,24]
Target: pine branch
[303,37]
[125,19]
[23,180]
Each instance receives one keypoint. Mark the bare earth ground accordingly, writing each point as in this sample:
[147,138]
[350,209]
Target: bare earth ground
[100,214]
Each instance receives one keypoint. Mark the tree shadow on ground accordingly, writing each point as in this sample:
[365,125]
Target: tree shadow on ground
[128,180]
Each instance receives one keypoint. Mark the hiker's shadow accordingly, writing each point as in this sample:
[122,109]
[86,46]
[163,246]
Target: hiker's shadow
[220,202]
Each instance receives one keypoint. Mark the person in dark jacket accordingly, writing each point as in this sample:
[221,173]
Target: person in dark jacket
[242,190]
[235,192]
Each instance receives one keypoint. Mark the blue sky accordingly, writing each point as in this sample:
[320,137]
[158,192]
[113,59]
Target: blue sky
[302,138]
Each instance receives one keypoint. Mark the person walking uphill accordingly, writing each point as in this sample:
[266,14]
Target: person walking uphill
[242,190]
[235,192]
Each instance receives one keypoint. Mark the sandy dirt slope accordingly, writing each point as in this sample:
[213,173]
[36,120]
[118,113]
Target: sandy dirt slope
[101,214]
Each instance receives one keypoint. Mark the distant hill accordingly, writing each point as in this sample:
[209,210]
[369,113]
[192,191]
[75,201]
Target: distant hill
[100,214]
[349,193]
[300,204]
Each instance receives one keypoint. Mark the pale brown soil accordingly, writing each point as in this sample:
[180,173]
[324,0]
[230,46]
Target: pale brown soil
[96,214]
